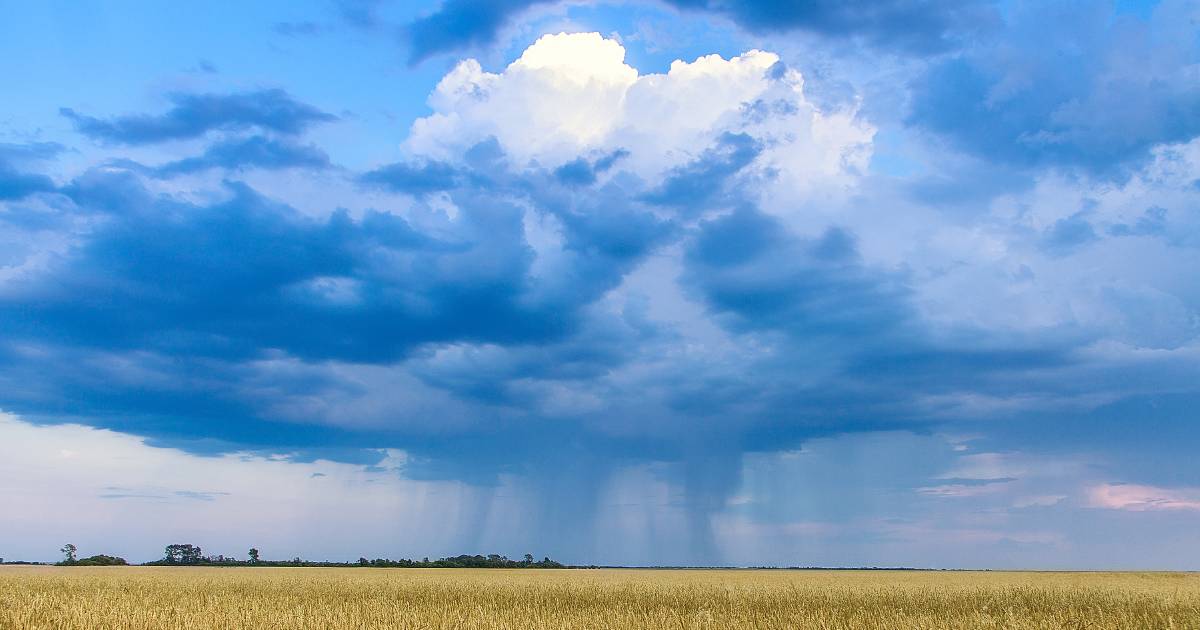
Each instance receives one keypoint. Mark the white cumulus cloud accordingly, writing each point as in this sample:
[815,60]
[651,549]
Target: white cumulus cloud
[571,95]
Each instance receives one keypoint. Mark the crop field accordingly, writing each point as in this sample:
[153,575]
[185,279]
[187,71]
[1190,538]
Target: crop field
[154,597]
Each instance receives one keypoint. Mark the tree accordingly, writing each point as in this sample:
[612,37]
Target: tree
[253,555]
[68,552]
[528,558]
[183,554]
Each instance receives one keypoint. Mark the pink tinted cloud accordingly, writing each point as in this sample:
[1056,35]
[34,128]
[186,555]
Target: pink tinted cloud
[1138,498]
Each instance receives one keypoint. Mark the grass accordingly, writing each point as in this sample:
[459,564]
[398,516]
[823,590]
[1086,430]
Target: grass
[154,597]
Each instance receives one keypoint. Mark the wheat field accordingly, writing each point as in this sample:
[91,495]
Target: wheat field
[154,597]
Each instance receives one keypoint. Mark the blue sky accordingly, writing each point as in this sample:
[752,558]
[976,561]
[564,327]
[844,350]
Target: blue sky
[678,282]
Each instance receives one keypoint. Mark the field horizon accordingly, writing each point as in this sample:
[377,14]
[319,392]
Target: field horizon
[338,564]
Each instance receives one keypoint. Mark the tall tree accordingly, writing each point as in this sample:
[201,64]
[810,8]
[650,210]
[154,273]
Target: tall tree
[68,552]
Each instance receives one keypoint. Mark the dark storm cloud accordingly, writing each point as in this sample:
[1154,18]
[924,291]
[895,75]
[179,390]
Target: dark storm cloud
[497,342]
[853,322]
[203,296]
[751,272]
[244,275]
[193,115]
[209,298]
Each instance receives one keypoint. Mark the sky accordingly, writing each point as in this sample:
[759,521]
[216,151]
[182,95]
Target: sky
[677,282]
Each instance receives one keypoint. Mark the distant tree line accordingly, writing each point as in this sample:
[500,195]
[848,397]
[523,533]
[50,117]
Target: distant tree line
[192,555]
[492,561]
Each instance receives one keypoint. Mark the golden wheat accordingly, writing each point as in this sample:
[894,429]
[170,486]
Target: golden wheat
[154,597]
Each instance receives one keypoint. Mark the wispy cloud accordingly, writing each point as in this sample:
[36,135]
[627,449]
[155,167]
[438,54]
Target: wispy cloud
[193,115]
[1141,498]
[965,487]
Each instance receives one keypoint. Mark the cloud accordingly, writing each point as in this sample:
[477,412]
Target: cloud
[159,495]
[1140,498]
[1069,232]
[199,495]
[570,268]
[458,24]
[1063,243]
[32,151]
[1085,105]
[598,245]
[750,270]
[909,26]
[827,319]
[193,115]
[497,304]
[696,186]
[572,95]
[1152,222]
[582,172]
[912,26]
[130,495]
[503,317]
[359,13]
[564,91]
[252,152]
[233,272]
[413,178]
[15,183]
[965,487]
[233,315]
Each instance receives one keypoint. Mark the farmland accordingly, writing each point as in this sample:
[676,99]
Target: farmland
[160,597]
